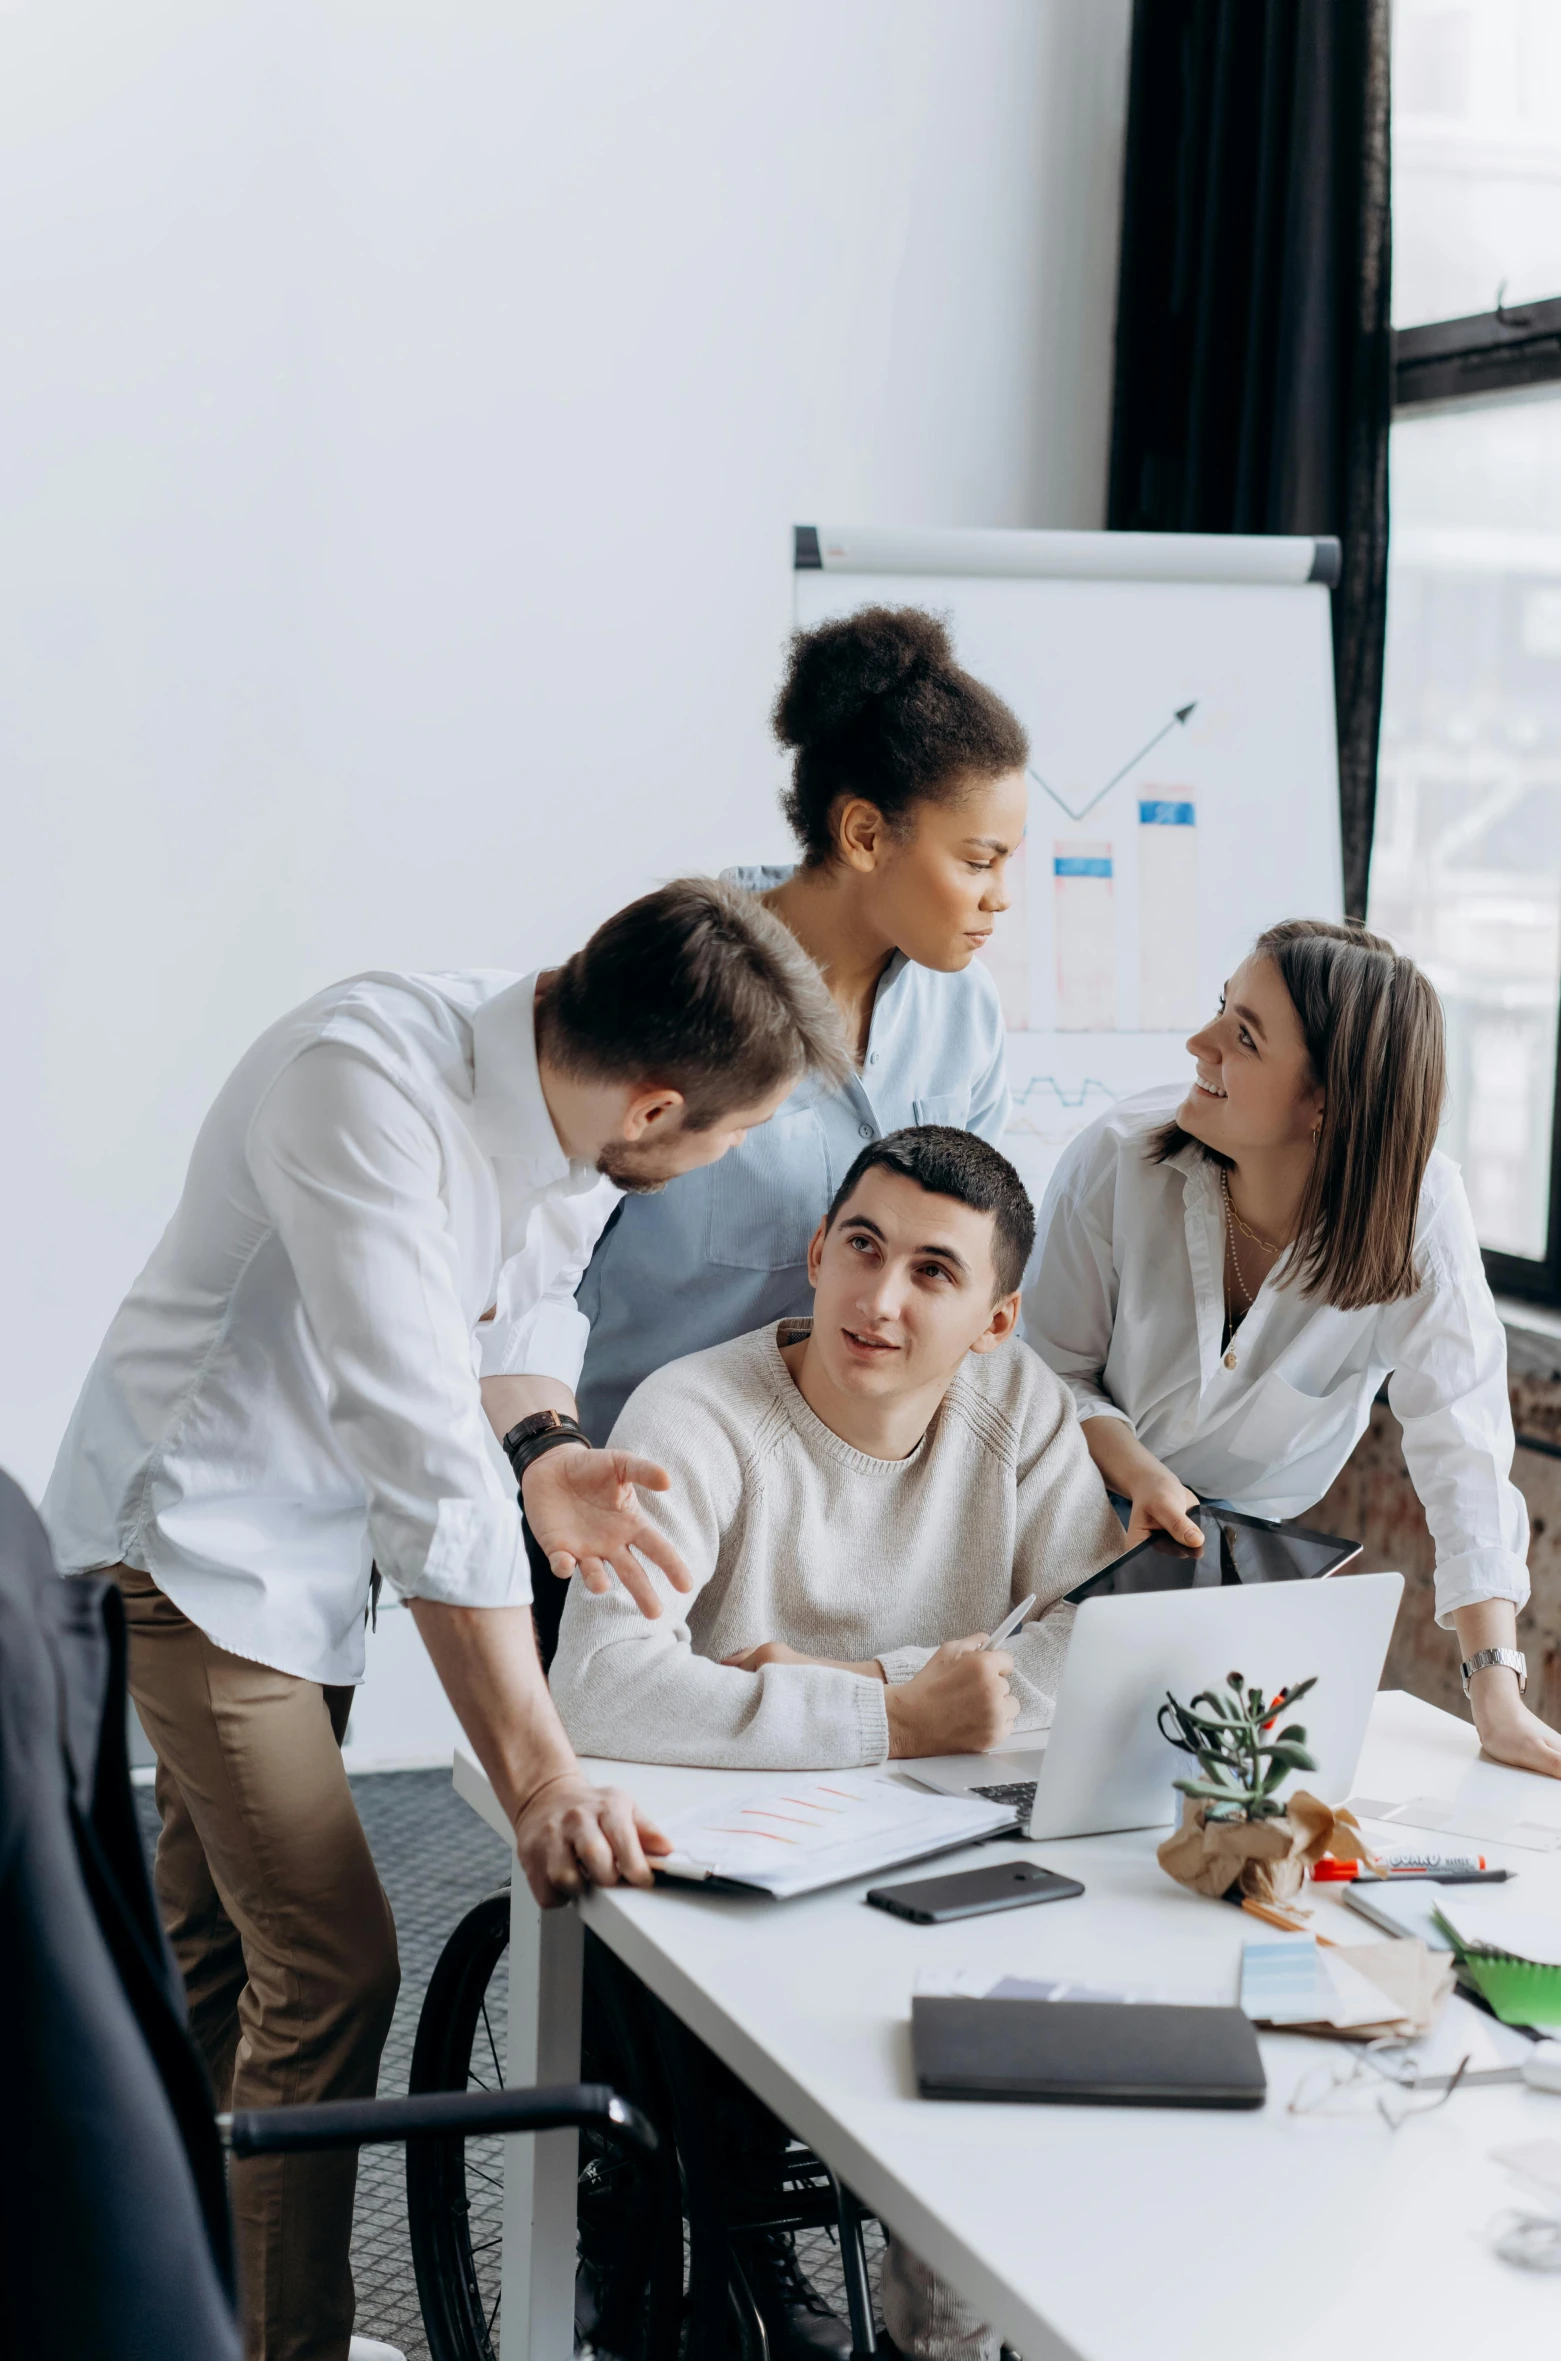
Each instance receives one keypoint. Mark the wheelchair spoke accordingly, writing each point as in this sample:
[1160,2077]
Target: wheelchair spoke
[493,2050]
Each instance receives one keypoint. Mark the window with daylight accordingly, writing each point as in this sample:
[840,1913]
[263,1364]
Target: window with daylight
[1466,865]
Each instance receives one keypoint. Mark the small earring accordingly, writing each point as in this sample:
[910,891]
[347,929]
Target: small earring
[1317,1131]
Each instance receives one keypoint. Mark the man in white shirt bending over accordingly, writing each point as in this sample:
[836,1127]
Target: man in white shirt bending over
[859,1500]
[369,1276]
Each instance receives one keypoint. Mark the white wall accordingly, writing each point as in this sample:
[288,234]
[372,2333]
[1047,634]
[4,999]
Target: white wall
[405,407]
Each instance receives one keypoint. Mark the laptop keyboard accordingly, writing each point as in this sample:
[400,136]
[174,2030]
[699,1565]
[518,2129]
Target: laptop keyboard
[1020,1796]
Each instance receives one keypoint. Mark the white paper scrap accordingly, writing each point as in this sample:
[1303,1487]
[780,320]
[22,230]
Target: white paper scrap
[1536,2160]
[1494,1918]
[1447,1818]
[983,1984]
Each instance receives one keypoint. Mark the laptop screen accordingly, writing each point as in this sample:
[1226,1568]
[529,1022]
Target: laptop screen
[1236,1549]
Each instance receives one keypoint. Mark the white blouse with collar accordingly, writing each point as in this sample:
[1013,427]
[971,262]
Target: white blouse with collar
[1126,1302]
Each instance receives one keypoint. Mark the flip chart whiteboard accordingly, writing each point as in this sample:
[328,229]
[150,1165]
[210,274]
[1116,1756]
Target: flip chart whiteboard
[1178,694]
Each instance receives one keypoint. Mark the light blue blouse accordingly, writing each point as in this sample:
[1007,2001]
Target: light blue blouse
[724,1250]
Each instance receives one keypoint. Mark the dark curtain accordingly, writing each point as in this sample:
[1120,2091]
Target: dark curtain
[1253,358]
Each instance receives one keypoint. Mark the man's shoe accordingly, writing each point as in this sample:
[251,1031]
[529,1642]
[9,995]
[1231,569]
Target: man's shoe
[797,2321]
[369,2348]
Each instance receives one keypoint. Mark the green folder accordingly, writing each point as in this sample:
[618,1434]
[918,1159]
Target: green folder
[1521,1991]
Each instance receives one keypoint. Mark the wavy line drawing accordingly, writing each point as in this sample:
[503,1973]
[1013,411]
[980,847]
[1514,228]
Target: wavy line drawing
[1043,1100]
[1067,1094]
[1178,720]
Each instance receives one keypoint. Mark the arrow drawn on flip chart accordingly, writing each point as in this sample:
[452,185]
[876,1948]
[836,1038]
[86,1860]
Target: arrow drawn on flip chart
[1177,721]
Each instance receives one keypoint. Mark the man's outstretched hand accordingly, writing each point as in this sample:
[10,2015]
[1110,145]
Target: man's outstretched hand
[571,1835]
[584,1511]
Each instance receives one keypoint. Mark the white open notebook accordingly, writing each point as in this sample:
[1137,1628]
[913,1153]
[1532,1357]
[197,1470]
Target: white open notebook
[819,1830]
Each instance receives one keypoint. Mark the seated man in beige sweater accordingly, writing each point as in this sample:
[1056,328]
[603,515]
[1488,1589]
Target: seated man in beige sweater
[859,1499]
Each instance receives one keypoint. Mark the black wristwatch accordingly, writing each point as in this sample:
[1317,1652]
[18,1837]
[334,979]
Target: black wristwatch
[543,1431]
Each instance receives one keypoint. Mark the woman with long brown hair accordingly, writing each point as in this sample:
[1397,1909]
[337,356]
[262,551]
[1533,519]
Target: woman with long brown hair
[1227,1276]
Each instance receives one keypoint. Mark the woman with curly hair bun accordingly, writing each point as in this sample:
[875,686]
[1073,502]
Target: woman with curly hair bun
[1228,1273]
[907,800]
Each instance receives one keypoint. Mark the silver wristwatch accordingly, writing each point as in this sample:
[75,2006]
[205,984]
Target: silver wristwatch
[1508,1656]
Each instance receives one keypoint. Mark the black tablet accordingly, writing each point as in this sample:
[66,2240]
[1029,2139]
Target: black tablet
[1236,1549]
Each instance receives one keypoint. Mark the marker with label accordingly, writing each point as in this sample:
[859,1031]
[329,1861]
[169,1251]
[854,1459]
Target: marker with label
[1425,1863]
[1402,1864]
[1453,1870]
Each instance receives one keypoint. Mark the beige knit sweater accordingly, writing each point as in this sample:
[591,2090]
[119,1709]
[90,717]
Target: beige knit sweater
[792,1535]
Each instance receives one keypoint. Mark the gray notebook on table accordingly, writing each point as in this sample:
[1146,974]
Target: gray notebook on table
[1085,2053]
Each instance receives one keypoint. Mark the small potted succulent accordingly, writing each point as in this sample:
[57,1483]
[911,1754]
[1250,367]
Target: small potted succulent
[1236,1837]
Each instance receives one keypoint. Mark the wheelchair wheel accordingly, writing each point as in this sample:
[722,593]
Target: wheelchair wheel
[629,2283]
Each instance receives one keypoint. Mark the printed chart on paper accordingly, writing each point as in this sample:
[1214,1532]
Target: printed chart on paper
[1183,795]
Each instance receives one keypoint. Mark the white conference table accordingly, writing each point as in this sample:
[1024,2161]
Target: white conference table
[1091,2233]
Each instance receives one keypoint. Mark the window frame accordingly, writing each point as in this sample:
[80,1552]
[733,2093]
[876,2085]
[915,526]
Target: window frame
[1452,363]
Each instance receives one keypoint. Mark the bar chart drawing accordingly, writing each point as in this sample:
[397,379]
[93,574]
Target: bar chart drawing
[1167,914]
[1085,923]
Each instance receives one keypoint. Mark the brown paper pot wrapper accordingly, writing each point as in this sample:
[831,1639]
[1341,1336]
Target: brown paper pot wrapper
[1265,1860]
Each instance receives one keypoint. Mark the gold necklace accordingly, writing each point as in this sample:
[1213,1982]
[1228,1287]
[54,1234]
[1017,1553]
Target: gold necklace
[1235,1265]
[1246,1229]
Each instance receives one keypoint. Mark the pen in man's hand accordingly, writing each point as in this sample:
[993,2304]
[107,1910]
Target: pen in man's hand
[1009,1625]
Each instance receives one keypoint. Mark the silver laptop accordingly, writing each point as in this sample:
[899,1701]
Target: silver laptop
[1104,1765]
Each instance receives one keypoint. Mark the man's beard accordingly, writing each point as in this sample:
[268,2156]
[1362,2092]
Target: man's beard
[634,1170]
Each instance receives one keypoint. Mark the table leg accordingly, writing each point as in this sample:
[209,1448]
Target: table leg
[546,1950]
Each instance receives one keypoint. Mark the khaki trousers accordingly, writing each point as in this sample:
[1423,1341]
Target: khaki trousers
[284,1938]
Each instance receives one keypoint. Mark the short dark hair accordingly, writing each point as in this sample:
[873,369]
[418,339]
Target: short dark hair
[875,705]
[1376,1043]
[961,1165]
[697,987]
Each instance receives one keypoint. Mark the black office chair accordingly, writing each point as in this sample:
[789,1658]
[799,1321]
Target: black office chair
[115,2242]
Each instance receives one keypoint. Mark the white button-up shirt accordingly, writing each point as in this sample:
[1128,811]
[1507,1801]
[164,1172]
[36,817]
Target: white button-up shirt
[1127,1303]
[290,1389]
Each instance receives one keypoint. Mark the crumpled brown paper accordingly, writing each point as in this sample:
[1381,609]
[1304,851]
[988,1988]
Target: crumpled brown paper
[1266,1860]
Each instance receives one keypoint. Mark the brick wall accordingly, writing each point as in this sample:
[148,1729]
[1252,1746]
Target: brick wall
[1374,1499]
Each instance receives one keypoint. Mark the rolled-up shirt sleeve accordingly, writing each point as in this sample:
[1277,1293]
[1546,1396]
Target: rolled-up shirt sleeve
[537,1329]
[1070,1303]
[349,1172]
[1449,1393]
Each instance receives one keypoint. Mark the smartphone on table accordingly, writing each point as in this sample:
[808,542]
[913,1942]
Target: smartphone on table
[971,1893]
